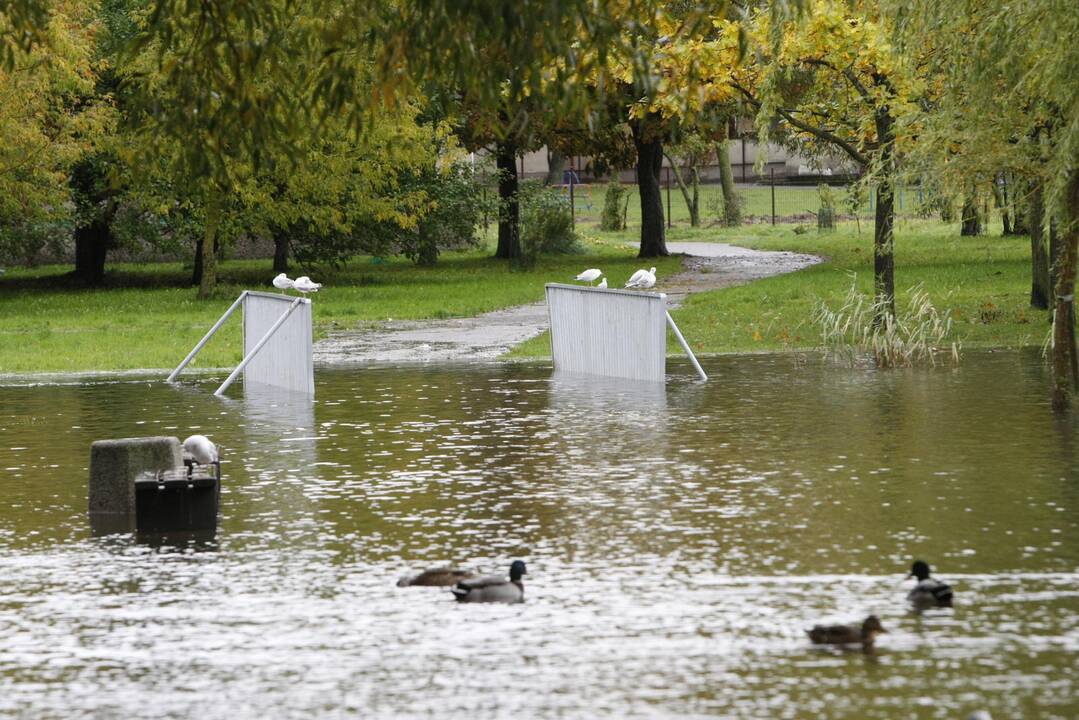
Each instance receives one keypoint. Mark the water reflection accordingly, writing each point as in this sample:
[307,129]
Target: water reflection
[679,539]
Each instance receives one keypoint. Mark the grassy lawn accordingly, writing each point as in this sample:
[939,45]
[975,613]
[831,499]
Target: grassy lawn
[984,281]
[148,317]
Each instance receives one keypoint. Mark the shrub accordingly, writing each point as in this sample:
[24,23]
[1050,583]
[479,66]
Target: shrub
[734,209]
[447,206]
[546,221]
[615,202]
[826,213]
[729,214]
[455,210]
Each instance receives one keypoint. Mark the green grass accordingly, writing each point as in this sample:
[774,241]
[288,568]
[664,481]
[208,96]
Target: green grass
[984,281]
[147,316]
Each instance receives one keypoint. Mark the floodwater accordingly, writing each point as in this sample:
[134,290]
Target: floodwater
[678,542]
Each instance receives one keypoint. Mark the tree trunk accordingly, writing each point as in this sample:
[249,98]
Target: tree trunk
[1040,289]
[972,223]
[280,253]
[732,209]
[208,252]
[196,268]
[884,220]
[1020,207]
[1054,254]
[509,211]
[92,243]
[1065,356]
[649,163]
[695,207]
[556,165]
[1000,199]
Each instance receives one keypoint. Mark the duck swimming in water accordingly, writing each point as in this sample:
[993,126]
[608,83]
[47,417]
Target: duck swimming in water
[436,577]
[863,634]
[494,588]
[929,592]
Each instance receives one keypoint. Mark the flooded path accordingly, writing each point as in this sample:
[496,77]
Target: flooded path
[707,266]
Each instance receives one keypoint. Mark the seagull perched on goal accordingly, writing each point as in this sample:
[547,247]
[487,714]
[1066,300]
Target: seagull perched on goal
[642,279]
[305,285]
[590,275]
[282,282]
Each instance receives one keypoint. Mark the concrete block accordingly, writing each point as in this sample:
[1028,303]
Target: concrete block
[114,464]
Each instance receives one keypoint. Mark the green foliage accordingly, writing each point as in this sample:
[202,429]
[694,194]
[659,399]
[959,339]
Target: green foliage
[734,209]
[546,221]
[729,212]
[454,212]
[49,116]
[615,202]
[23,23]
[826,213]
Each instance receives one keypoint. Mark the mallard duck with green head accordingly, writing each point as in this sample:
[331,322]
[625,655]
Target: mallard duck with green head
[493,588]
[929,592]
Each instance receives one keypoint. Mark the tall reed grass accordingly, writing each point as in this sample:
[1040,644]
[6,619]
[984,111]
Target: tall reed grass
[917,334]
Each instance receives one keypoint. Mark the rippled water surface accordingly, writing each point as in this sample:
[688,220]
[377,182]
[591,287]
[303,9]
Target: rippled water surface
[678,542]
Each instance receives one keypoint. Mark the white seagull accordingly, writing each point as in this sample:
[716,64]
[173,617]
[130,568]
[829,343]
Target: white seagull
[590,275]
[281,282]
[642,279]
[602,283]
[201,449]
[304,284]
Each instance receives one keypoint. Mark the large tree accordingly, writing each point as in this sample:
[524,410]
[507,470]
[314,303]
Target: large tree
[835,82]
[1022,57]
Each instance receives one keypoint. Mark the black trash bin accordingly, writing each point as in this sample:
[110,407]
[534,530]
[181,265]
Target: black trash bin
[177,500]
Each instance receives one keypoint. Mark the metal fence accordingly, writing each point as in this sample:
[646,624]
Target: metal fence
[780,202]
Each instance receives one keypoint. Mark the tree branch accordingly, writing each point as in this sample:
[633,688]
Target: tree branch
[818,132]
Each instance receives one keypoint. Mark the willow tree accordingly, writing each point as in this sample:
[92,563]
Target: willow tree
[835,82]
[1024,56]
[216,88]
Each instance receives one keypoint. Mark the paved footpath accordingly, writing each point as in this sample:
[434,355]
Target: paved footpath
[707,266]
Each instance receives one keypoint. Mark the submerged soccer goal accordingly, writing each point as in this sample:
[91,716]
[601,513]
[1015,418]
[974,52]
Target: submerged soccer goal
[614,333]
[277,337]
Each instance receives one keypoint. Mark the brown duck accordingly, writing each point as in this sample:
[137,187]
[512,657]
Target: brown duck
[856,634]
[436,577]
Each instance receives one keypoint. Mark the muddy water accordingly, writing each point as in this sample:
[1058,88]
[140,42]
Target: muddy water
[678,541]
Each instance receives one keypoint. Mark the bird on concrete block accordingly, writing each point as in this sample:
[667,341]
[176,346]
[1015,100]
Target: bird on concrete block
[590,275]
[602,284]
[305,285]
[494,588]
[282,282]
[201,450]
